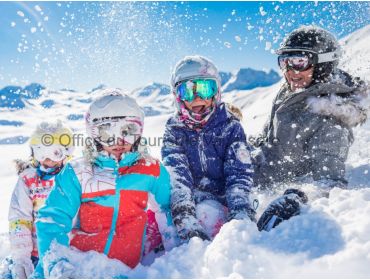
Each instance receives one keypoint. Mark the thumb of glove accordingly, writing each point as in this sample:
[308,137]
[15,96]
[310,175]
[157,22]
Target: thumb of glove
[22,268]
[63,269]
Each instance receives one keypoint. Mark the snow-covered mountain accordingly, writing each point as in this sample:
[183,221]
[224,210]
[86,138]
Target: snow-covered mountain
[14,97]
[247,78]
[35,100]
[155,99]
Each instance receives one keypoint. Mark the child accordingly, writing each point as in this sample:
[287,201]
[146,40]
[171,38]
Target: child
[36,180]
[108,190]
[206,153]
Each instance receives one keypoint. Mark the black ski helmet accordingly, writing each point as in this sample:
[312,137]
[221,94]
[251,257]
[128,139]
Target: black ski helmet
[318,41]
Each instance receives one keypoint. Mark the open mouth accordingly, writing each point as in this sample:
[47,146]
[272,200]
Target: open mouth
[198,109]
[296,79]
[119,150]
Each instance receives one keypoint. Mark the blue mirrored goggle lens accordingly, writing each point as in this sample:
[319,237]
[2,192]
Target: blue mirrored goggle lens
[205,89]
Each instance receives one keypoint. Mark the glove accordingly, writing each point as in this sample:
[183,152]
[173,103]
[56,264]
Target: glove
[22,267]
[281,209]
[186,235]
[257,141]
[198,233]
[240,215]
[61,269]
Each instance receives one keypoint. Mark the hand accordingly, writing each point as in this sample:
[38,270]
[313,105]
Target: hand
[198,233]
[61,269]
[186,235]
[22,267]
[281,209]
[240,215]
[256,141]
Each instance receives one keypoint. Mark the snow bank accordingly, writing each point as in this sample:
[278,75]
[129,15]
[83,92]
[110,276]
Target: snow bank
[331,238]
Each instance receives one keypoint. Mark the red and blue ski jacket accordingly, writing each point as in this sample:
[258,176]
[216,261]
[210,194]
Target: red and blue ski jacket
[103,206]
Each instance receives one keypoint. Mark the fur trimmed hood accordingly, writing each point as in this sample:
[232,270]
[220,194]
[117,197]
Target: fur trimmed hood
[22,165]
[345,98]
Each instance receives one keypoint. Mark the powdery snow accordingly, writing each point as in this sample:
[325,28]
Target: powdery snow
[329,239]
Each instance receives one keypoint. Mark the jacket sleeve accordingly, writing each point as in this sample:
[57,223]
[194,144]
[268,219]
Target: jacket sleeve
[238,170]
[182,201]
[21,221]
[162,189]
[55,218]
[328,149]
[162,194]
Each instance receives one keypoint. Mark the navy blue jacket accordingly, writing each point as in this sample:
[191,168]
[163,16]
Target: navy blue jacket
[213,163]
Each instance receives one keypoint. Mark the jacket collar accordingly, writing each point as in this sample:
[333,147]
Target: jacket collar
[344,98]
[103,160]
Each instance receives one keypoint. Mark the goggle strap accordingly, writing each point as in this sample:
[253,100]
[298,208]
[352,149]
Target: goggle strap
[327,57]
[321,57]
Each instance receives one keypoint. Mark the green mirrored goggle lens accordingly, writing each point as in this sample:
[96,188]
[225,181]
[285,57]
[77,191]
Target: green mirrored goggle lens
[204,88]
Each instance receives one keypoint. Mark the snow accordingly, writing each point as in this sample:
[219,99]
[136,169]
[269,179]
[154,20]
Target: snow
[331,238]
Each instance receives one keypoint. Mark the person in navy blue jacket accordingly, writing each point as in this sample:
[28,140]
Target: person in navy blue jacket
[206,153]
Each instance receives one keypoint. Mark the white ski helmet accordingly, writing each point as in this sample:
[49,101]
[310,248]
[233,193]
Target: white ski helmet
[112,103]
[194,66]
[52,140]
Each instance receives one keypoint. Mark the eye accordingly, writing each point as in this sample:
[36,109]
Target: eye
[124,132]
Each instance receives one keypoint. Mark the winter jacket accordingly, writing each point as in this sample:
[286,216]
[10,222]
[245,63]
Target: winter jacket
[212,164]
[108,200]
[28,197]
[310,132]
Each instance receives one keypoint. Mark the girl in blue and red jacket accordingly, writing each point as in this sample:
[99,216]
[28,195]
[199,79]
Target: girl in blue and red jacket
[109,190]
[206,153]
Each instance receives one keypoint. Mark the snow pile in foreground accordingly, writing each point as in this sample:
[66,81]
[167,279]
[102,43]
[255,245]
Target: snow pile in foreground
[331,238]
[77,264]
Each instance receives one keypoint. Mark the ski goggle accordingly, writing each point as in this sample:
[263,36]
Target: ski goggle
[128,129]
[301,60]
[297,62]
[52,152]
[190,89]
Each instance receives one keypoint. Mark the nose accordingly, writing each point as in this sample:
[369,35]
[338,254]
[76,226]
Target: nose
[197,99]
[120,141]
[292,72]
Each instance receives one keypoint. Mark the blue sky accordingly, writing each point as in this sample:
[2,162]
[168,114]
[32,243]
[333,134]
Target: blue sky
[79,45]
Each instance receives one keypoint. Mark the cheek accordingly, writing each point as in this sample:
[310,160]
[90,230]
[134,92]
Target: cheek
[287,76]
[187,104]
[308,78]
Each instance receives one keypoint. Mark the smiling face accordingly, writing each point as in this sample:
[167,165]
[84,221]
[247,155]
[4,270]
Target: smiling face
[48,163]
[198,105]
[299,79]
[117,150]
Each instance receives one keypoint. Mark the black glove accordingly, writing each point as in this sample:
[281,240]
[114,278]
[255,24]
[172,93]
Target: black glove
[257,141]
[198,233]
[186,235]
[281,209]
[240,215]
